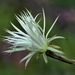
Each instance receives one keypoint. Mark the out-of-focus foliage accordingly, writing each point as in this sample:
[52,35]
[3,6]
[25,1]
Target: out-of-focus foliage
[64,2]
[6,14]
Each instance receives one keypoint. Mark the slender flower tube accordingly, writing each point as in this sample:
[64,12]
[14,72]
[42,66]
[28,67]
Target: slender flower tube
[35,40]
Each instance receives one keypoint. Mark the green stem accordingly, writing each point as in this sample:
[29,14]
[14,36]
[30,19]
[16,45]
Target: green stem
[60,58]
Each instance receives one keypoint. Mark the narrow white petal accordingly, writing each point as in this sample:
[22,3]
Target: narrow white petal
[45,58]
[30,14]
[44,25]
[27,61]
[35,38]
[21,32]
[55,37]
[39,27]
[28,56]
[25,24]
[21,22]
[54,50]
[54,46]
[37,16]
[15,37]
[15,50]
[51,27]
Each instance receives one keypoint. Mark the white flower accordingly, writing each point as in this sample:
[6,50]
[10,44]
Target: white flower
[34,39]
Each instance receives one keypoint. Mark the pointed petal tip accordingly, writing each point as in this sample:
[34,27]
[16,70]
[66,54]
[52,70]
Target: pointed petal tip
[47,63]
[21,61]
[6,51]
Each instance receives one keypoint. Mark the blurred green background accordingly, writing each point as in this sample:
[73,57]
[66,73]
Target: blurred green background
[65,26]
